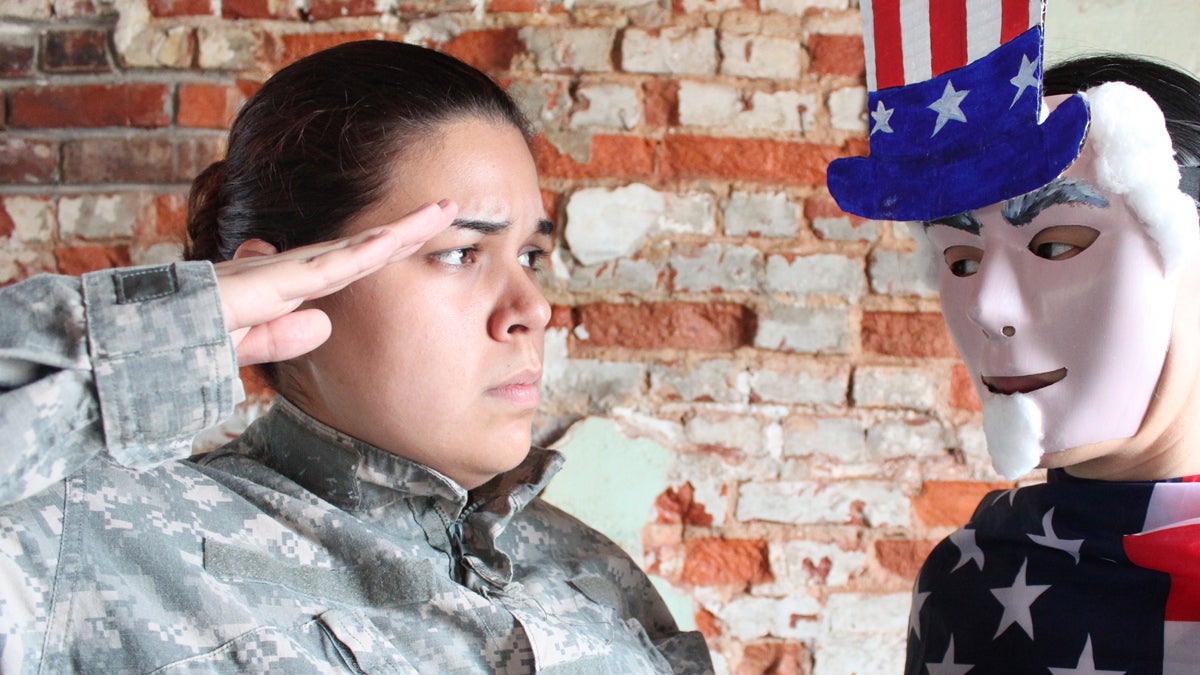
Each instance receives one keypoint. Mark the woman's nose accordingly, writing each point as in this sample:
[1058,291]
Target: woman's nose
[520,308]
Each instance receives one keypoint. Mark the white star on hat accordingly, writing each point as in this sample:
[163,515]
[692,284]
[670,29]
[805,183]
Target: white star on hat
[1025,77]
[947,107]
[882,117]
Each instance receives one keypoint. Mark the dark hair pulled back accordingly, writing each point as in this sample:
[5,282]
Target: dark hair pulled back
[1176,92]
[317,143]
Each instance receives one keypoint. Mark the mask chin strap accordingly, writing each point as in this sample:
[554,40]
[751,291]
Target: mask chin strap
[1189,182]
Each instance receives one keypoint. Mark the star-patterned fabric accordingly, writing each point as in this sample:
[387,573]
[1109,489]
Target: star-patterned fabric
[1069,577]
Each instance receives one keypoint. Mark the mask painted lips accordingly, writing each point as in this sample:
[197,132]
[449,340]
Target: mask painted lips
[1023,384]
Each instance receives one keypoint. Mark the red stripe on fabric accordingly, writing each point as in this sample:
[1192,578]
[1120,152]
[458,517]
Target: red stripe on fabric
[1173,550]
[947,35]
[889,54]
[1014,19]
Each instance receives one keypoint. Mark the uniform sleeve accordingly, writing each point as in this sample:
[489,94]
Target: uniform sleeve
[130,362]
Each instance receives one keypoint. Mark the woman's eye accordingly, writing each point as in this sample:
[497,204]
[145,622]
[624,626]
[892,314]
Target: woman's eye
[534,259]
[1062,242]
[457,257]
[963,261]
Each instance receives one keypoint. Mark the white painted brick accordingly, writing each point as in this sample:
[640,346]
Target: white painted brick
[707,104]
[717,380]
[769,214]
[675,50]
[607,105]
[28,9]
[899,273]
[802,564]
[760,56]
[844,229]
[801,386]
[750,618]
[973,443]
[848,109]
[741,433]
[863,634]
[584,386]
[730,268]
[20,147]
[18,263]
[32,218]
[697,6]
[99,216]
[158,254]
[808,503]
[900,438]
[816,274]
[783,111]
[159,48]
[224,47]
[799,7]
[804,330]
[623,275]
[604,224]
[895,387]
[688,213]
[559,48]
[843,439]
[544,101]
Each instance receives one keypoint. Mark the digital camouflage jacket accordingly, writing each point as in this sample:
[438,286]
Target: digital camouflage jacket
[295,549]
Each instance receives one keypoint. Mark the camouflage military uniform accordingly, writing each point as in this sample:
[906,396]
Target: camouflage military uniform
[295,549]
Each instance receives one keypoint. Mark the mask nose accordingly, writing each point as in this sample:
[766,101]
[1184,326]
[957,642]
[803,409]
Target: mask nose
[997,308]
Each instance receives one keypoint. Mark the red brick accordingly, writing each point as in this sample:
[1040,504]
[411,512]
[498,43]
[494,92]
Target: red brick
[837,55]
[7,226]
[706,623]
[76,260]
[257,9]
[92,105]
[157,159]
[75,51]
[551,201]
[903,556]
[515,6]
[962,390]
[169,8]
[715,326]
[681,507]
[170,215]
[823,206]
[296,46]
[208,106]
[610,157]
[917,334]
[661,104]
[711,562]
[752,159]
[28,161]
[323,10]
[951,503]
[16,60]
[561,317]
[487,50]
[775,658]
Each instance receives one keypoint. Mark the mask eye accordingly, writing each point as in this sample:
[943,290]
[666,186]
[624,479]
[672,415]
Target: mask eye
[963,261]
[1062,242]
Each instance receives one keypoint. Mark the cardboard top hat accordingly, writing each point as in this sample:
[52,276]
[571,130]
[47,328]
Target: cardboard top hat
[955,100]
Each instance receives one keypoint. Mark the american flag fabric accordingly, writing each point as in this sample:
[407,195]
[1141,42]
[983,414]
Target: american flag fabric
[1068,577]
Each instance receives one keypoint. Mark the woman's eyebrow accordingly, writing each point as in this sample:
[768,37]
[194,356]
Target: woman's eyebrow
[544,226]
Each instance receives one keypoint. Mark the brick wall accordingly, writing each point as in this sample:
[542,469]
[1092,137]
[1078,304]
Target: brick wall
[707,291]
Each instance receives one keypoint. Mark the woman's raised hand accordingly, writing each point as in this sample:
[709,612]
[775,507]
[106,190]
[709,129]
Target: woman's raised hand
[261,289]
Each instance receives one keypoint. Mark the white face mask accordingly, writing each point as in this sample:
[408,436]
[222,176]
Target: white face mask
[1061,307]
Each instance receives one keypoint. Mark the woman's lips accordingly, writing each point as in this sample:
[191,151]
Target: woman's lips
[523,390]
[1022,384]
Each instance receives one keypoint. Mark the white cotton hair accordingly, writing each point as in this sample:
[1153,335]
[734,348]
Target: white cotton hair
[1135,160]
[1013,427]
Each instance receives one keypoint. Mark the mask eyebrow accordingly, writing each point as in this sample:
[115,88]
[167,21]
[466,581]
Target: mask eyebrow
[1022,210]
[963,221]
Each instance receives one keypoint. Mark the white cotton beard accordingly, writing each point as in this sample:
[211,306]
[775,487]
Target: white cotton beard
[1014,430]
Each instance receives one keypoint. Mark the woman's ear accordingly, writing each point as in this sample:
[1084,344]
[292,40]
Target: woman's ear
[252,248]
